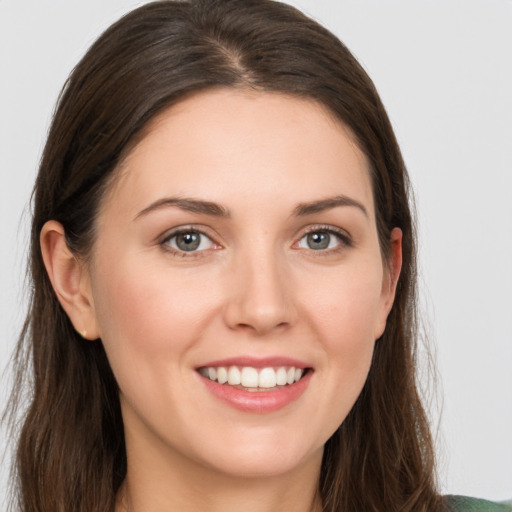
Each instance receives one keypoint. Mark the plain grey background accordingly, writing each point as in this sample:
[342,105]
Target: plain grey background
[444,71]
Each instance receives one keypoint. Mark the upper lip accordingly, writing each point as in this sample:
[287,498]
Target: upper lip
[257,362]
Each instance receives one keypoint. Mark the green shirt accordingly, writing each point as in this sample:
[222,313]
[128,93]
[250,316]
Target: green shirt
[465,504]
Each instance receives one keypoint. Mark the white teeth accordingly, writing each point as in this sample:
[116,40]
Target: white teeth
[281,379]
[267,378]
[253,378]
[249,377]
[222,375]
[233,376]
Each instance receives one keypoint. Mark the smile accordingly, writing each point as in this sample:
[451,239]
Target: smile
[253,379]
[255,385]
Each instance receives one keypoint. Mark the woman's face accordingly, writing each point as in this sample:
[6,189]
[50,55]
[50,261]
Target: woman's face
[239,242]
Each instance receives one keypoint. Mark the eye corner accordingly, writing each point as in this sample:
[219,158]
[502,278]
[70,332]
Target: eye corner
[328,239]
[188,241]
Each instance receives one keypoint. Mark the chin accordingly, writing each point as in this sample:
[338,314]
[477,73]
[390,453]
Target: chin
[263,456]
[275,465]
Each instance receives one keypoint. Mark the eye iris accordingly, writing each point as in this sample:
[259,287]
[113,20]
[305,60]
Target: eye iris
[318,240]
[188,241]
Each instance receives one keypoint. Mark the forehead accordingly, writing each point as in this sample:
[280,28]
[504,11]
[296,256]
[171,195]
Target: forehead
[225,143]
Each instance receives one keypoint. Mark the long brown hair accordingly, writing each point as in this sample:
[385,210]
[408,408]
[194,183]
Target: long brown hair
[71,452]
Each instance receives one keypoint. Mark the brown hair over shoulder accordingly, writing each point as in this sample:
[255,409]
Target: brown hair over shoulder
[71,452]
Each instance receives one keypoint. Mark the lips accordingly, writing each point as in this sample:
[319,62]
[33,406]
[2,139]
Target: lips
[256,385]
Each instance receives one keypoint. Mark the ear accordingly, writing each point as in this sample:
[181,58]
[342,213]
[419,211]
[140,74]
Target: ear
[390,280]
[70,280]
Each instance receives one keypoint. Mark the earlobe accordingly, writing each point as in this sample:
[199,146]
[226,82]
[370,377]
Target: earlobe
[69,279]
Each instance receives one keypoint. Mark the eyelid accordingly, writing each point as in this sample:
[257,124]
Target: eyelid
[164,239]
[343,235]
[327,227]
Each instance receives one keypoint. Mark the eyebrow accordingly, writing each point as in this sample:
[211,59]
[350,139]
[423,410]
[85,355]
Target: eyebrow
[327,204]
[188,204]
[217,210]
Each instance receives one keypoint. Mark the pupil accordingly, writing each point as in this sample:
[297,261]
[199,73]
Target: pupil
[318,240]
[188,241]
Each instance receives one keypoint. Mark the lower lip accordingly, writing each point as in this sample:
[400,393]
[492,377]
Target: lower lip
[258,401]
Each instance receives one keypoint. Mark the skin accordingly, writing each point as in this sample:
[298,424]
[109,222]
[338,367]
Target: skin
[255,287]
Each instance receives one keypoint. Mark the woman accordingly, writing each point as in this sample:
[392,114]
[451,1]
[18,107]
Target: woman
[223,261]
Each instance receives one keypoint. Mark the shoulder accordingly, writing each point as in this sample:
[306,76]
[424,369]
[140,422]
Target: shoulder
[465,504]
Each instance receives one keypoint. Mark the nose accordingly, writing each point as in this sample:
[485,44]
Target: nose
[260,295]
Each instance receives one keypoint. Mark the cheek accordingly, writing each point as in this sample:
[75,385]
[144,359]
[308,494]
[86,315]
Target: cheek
[150,318]
[344,313]
[347,307]
[145,311]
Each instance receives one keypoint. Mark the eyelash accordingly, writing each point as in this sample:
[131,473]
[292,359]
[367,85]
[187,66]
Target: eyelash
[344,239]
[165,242]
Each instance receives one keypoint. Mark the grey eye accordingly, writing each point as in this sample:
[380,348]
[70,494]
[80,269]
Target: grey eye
[189,241]
[319,240]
